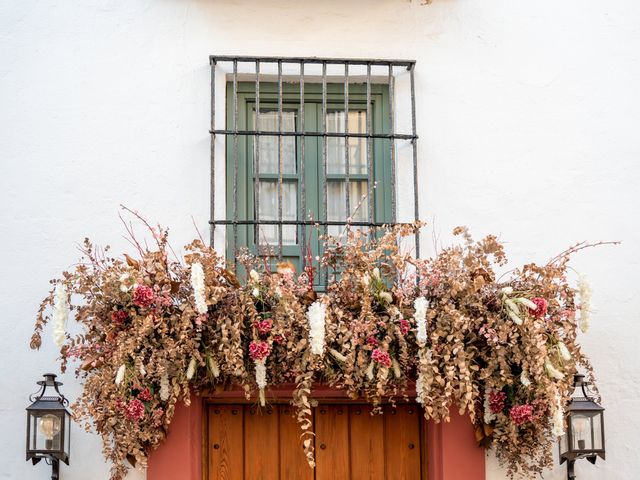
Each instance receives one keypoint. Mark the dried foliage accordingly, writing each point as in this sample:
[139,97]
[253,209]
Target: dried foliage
[502,350]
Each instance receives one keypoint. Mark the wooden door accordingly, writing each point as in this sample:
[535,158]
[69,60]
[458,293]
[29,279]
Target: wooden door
[249,443]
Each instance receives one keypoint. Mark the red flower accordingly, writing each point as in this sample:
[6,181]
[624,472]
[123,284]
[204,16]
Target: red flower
[371,340]
[381,357]
[405,326]
[143,296]
[145,394]
[279,339]
[259,350]
[134,410]
[497,401]
[521,414]
[264,327]
[541,307]
[119,316]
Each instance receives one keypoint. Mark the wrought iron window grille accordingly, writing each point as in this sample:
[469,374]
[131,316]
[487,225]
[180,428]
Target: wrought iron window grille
[260,70]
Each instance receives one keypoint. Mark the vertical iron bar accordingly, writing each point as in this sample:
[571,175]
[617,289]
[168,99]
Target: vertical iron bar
[235,162]
[324,156]
[346,141]
[280,137]
[256,165]
[392,145]
[369,140]
[212,232]
[414,147]
[303,199]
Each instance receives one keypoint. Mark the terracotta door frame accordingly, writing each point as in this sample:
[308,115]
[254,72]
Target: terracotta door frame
[452,453]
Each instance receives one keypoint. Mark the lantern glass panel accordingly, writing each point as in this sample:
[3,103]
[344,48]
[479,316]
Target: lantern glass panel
[45,431]
[587,431]
[564,444]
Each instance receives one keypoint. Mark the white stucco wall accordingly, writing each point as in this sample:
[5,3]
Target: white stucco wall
[528,116]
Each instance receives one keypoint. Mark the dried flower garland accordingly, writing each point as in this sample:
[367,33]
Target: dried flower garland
[156,328]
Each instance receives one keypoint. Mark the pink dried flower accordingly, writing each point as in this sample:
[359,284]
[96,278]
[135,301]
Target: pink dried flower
[497,401]
[279,339]
[521,414]
[145,394]
[143,296]
[264,326]
[134,410]
[381,357]
[490,334]
[156,417]
[259,350]
[119,316]
[541,305]
[405,326]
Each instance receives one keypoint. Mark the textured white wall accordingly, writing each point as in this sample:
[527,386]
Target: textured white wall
[528,117]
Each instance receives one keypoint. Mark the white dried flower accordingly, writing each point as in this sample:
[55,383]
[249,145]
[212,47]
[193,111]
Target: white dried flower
[506,290]
[254,275]
[420,305]
[516,319]
[365,280]
[511,305]
[191,369]
[278,292]
[386,296]
[255,292]
[370,370]
[524,379]
[164,387]
[143,372]
[316,317]
[120,374]
[552,371]
[197,283]
[558,418]
[261,373]
[376,273]
[60,314]
[123,282]
[584,290]
[526,302]
[564,351]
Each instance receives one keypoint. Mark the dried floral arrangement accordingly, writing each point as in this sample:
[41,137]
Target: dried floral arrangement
[155,328]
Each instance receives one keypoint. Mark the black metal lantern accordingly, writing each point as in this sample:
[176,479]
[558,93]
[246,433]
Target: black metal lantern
[584,437]
[48,426]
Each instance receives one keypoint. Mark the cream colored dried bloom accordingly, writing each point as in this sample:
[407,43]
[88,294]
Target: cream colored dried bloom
[120,374]
[376,273]
[197,283]
[558,418]
[316,317]
[164,387]
[60,314]
[584,291]
[254,276]
[386,296]
[261,373]
[191,369]
[524,379]
[213,366]
[564,351]
[420,305]
[255,292]
[552,371]
[526,302]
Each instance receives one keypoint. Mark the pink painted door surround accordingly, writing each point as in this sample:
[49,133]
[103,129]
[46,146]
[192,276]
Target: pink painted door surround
[452,453]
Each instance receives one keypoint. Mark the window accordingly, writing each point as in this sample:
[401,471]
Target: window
[306,154]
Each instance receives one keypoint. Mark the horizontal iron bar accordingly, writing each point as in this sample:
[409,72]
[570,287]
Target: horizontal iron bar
[336,61]
[304,222]
[398,136]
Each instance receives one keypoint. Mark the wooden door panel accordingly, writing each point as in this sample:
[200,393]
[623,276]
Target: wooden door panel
[332,442]
[261,446]
[402,446]
[225,442]
[250,443]
[366,444]
[293,463]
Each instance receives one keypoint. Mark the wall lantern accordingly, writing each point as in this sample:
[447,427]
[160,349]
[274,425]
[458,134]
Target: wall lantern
[584,437]
[48,426]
